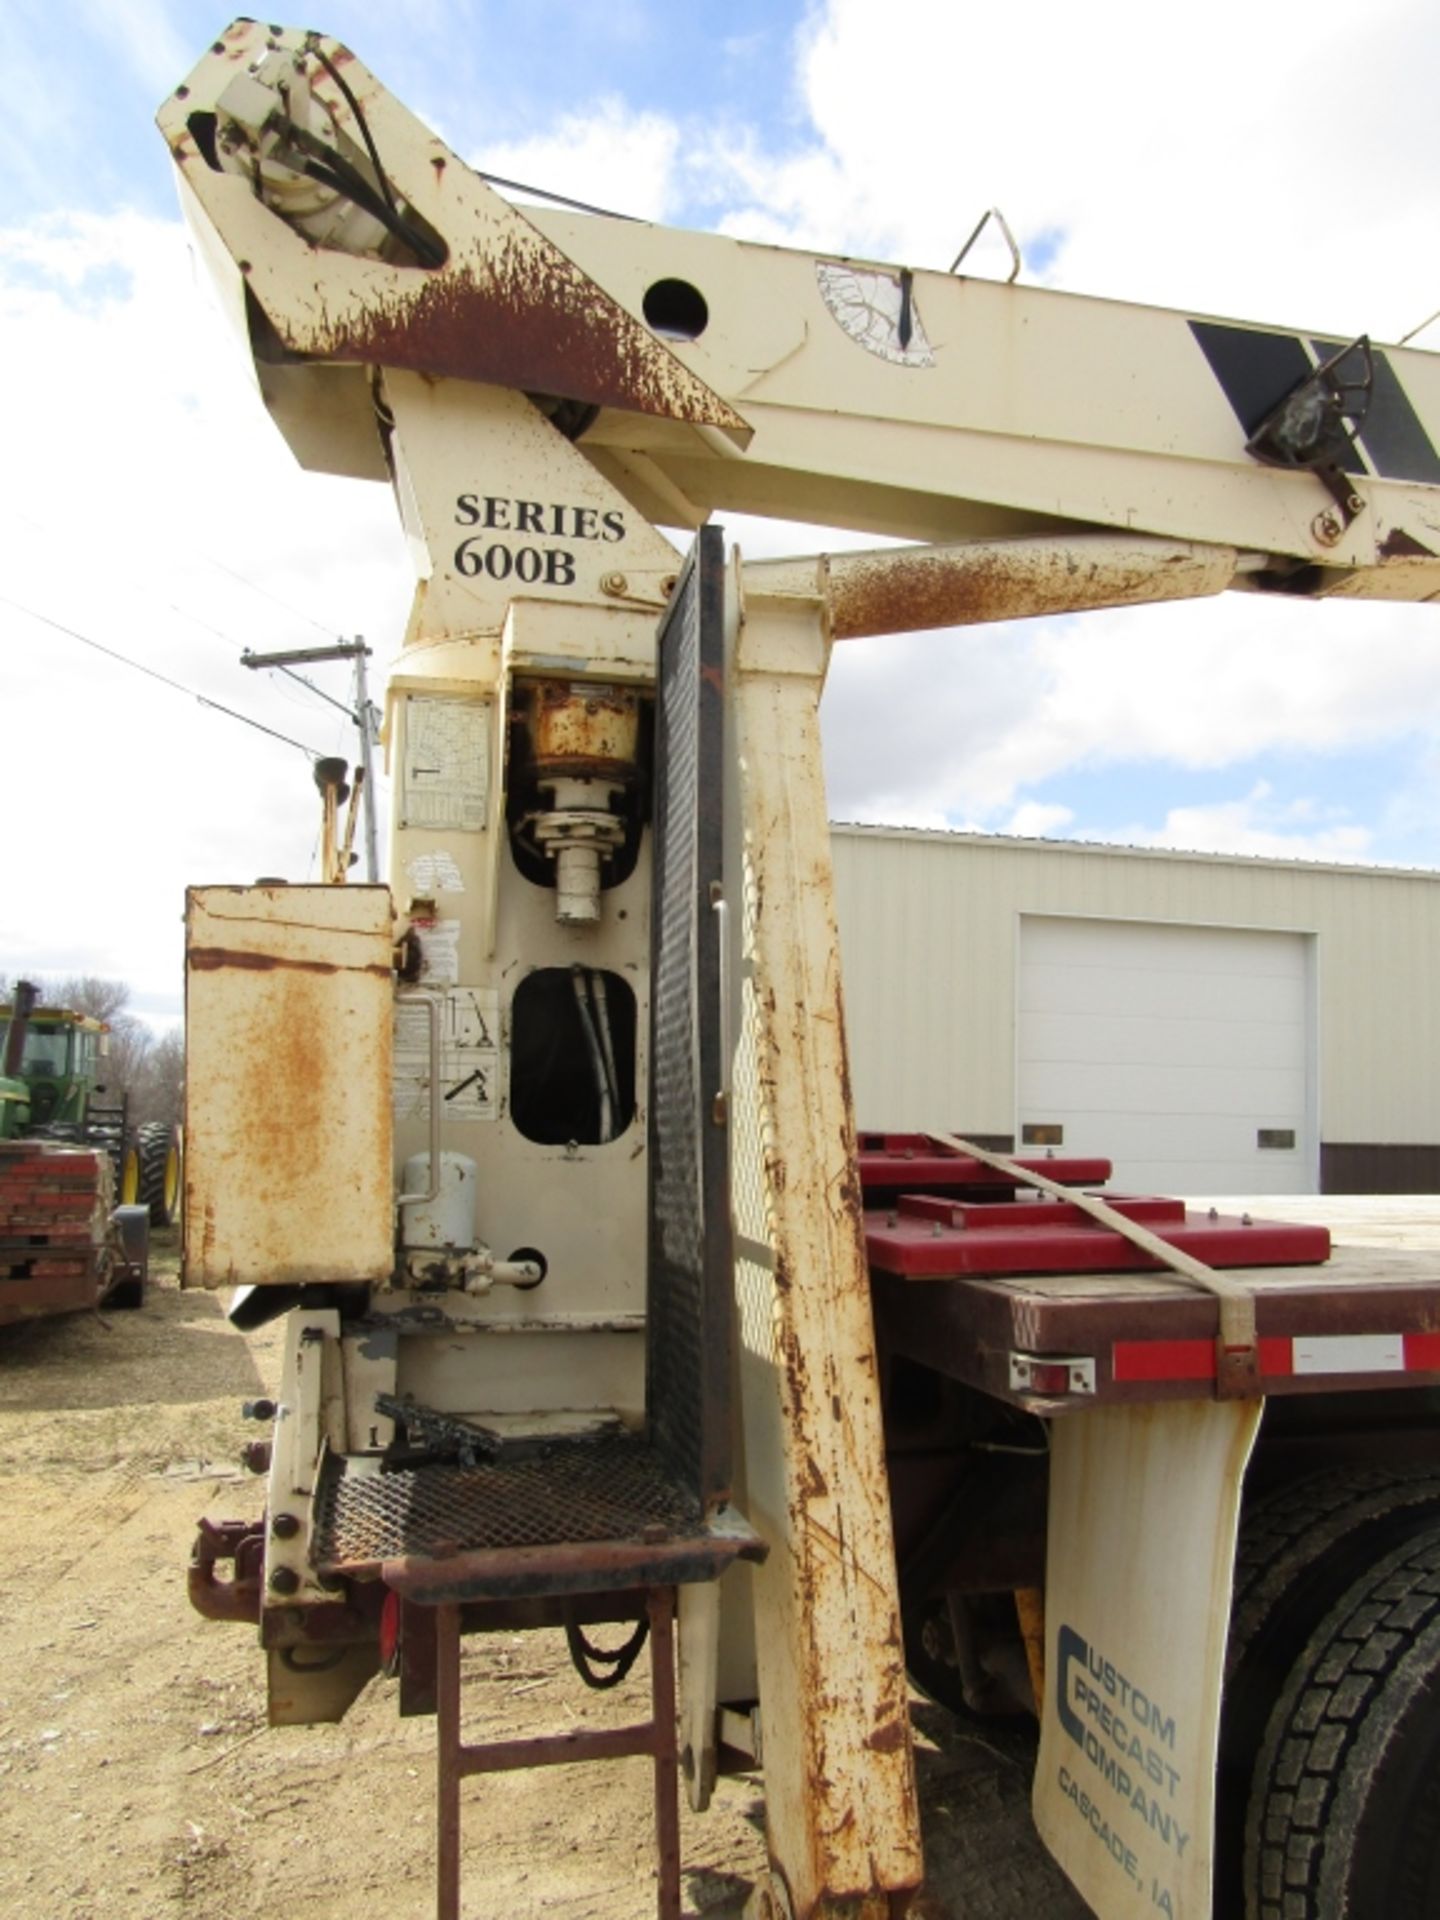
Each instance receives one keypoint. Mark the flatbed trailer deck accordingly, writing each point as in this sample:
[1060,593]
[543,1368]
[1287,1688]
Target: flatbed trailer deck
[1025,1296]
[1369,1314]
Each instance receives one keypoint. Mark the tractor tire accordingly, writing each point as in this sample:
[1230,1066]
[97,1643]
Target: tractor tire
[1300,1549]
[1345,1817]
[158,1148]
[127,1175]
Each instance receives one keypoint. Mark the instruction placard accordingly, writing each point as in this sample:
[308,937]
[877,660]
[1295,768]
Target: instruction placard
[445,770]
[469,1056]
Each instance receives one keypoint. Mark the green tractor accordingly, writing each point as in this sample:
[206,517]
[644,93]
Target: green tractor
[51,1060]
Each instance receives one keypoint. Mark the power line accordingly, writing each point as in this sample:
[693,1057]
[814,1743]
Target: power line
[186,613]
[151,673]
[266,594]
[140,586]
[300,680]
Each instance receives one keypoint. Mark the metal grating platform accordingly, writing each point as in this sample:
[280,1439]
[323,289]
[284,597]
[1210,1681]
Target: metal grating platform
[610,1491]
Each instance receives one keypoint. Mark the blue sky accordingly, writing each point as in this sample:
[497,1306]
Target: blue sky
[148,505]
[485,75]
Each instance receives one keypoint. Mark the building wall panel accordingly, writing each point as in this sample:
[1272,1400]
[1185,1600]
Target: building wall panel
[930,939]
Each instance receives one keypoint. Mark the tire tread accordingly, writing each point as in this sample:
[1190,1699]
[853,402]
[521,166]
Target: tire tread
[1299,1839]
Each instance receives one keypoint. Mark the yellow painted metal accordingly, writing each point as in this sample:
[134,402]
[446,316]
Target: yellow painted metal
[1011,410]
[288,1094]
[1030,1611]
[911,589]
[841,1814]
[170,1187]
[504,302]
[538,431]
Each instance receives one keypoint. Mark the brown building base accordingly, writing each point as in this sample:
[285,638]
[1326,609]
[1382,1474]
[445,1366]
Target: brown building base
[1355,1168]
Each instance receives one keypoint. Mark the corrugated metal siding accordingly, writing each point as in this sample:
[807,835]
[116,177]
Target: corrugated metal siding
[929,929]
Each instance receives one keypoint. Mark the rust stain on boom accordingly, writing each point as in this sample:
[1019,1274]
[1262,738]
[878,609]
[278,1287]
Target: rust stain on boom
[942,587]
[527,318]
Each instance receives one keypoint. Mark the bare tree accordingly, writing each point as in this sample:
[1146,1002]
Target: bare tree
[89,993]
[159,1093]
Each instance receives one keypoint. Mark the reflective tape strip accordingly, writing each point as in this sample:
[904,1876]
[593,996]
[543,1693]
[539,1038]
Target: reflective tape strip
[1280,1356]
[1350,1353]
[1422,1353]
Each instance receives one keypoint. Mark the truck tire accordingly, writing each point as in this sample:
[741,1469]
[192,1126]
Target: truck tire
[158,1147]
[1300,1549]
[1345,1816]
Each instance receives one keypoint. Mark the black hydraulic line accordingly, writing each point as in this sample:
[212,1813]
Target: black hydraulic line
[332,169]
[364,125]
[591,1661]
[581,980]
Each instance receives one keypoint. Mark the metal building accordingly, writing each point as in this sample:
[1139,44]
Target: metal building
[1215,1024]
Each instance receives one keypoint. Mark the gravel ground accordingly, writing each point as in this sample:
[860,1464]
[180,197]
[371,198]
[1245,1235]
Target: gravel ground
[137,1778]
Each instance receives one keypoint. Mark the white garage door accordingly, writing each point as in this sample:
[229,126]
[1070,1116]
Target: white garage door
[1183,1053]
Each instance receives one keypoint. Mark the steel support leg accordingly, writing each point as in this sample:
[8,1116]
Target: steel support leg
[447,1762]
[660,1602]
[657,1737]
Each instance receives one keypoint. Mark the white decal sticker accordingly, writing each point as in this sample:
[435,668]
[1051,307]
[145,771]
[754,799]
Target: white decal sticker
[877,310]
[432,873]
[439,952]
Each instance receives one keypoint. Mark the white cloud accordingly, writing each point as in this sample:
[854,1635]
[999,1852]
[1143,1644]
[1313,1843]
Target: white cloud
[138,449]
[140,34]
[1255,823]
[1246,159]
[973,717]
[606,156]
[1036,821]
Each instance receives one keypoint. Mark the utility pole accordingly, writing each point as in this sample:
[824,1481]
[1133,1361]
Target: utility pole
[361,712]
[369,733]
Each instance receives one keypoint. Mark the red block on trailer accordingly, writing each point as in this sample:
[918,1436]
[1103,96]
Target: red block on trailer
[893,1163]
[1034,1300]
[915,1242]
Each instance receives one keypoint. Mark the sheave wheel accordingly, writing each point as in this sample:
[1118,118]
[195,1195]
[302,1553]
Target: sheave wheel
[1345,1816]
[158,1147]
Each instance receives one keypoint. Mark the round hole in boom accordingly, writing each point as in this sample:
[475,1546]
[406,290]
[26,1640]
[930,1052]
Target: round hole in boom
[675,310]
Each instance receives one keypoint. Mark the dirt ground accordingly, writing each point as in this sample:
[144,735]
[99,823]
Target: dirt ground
[137,1777]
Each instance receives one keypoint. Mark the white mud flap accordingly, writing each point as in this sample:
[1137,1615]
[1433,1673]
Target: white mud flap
[1144,1506]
